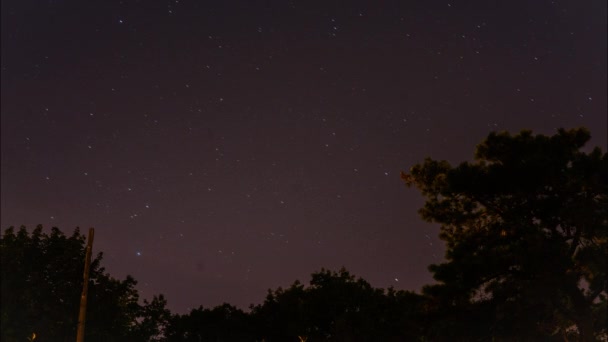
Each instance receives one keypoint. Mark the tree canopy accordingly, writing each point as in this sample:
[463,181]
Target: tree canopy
[335,306]
[41,284]
[525,227]
[42,279]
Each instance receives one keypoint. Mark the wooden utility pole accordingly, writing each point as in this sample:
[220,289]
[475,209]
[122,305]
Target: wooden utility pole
[85,287]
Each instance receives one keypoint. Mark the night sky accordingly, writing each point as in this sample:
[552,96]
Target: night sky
[221,148]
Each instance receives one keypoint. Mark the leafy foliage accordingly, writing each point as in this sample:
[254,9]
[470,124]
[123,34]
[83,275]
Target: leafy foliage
[333,307]
[338,307]
[525,227]
[41,285]
[222,323]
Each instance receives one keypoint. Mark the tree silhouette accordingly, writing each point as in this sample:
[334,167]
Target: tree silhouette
[41,285]
[525,226]
[223,323]
[336,306]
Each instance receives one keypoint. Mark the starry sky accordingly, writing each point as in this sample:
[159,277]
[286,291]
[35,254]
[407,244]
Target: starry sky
[221,148]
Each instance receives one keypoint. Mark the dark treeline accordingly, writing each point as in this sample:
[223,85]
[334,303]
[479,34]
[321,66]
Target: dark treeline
[525,226]
[42,278]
